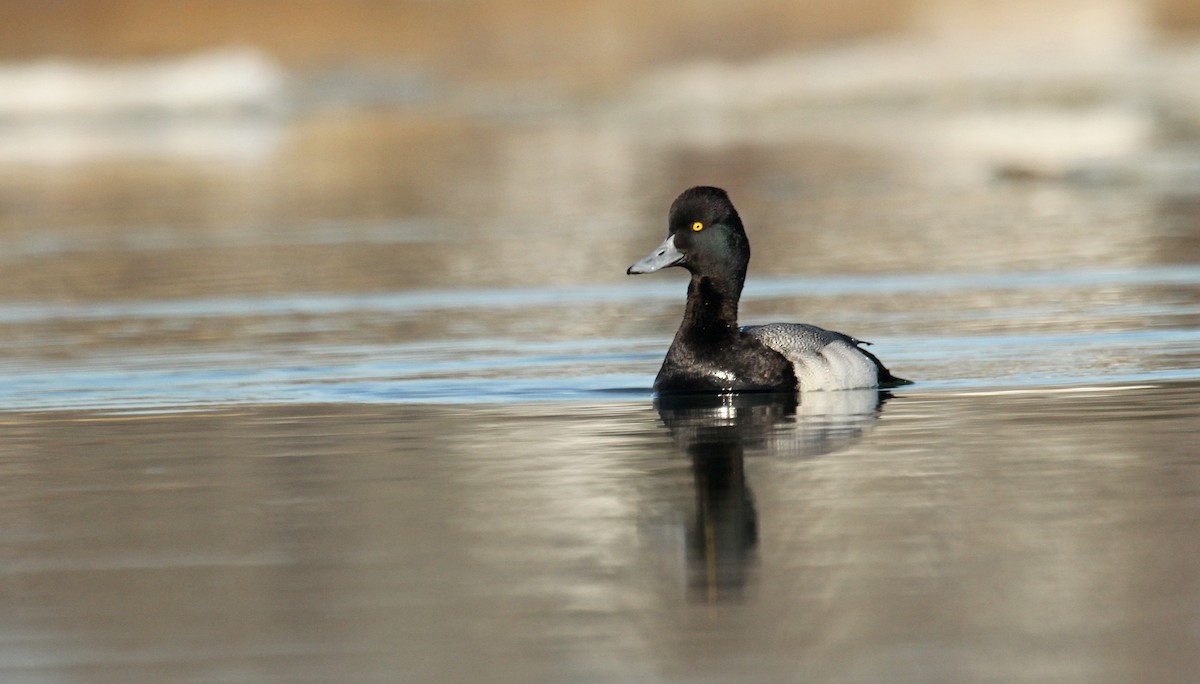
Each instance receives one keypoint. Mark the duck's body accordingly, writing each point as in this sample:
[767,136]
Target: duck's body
[710,352]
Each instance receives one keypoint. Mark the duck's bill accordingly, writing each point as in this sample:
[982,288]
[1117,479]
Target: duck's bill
[662,257]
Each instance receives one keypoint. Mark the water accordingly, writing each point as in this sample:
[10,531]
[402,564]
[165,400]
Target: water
[348,384]
[1021,535]
[1061,329]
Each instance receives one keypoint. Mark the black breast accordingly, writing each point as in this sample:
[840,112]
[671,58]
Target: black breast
[725,362]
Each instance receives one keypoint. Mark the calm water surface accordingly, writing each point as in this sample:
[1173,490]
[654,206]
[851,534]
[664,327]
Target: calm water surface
[1016,535]
[477,485]
[366,399]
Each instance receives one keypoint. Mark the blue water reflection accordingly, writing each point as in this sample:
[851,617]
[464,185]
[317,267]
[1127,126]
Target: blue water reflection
[539,344]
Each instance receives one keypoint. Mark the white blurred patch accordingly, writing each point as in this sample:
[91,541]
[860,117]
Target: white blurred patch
[978,89]
[1047,141]
[222,105]
[220,82]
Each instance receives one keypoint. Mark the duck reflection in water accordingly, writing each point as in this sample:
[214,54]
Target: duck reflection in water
[716,431]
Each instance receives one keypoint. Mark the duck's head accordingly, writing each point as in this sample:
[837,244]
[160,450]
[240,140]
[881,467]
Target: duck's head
[705,236]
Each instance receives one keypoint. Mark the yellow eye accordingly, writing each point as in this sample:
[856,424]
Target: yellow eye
[697,226]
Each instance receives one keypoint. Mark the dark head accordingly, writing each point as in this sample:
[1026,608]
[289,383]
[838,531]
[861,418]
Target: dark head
[705,236]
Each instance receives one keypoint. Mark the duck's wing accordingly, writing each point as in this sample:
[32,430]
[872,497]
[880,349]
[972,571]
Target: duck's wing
[825,359]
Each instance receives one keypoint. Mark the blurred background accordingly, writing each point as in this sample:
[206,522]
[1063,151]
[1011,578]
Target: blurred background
[167,149]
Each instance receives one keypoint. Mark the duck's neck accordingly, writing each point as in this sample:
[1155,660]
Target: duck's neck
[712,308]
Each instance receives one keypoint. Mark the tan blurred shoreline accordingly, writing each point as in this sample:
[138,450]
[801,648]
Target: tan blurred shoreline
[587,39]
[524,35]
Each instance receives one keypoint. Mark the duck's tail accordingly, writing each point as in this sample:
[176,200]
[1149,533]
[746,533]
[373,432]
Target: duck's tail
[886,379]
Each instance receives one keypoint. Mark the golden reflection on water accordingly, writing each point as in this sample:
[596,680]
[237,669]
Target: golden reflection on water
[1027,535]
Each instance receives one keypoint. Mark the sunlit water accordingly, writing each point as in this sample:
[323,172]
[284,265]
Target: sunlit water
[364,396]
[266,489]
[1016,535]
[1064,335]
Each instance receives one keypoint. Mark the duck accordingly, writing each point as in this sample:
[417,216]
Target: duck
[710,352]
